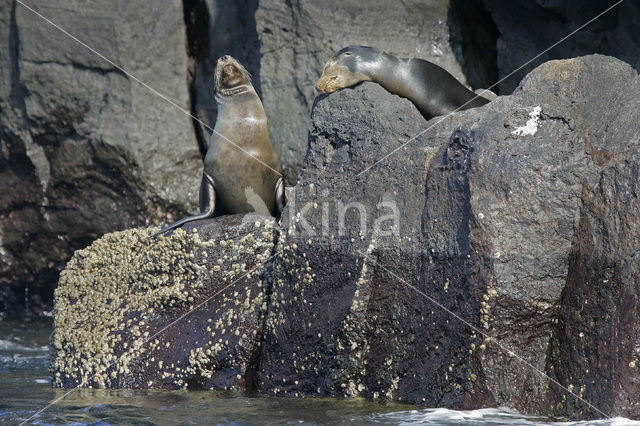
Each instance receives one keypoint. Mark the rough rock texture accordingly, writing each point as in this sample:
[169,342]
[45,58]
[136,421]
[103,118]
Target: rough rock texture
[341,321]
[182,311]
[596,344]
[489,202]
[297,37]
[90,150]
[616,33]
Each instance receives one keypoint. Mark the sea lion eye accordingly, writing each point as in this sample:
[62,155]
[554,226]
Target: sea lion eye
[348,53]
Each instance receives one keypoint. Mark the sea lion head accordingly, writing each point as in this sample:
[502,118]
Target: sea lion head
[230,75]
[349,66]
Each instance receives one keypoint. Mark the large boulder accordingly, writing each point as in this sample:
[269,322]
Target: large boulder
[450,295]
[595,348]
[90,149]
[484,258]
[185,311]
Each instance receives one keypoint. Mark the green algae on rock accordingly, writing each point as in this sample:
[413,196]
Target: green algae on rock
[181,311]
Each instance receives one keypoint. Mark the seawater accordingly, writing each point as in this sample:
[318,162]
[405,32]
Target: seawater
[25,388]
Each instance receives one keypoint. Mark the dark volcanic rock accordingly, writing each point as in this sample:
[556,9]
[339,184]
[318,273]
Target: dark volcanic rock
[457,307]
[595,348]
[341,324]
[487,258]
[85,150]
[186,311]
[519,21]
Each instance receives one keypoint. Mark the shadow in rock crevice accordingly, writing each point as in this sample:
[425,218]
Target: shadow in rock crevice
[215,28]
[473,36]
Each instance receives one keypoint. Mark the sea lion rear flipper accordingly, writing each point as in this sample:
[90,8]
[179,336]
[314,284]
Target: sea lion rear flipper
[281,196]
[207,205]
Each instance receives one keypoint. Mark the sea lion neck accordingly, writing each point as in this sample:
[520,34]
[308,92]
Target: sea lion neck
[233,91]
[386,70]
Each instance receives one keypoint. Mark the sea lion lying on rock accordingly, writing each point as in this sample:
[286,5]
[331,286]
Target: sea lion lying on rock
[431,88]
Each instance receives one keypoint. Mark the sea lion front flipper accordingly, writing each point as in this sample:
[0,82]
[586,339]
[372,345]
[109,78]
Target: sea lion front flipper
[207,205]
[281,196]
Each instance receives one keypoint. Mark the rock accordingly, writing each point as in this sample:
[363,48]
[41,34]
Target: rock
[186,311]
[456,306]
[82,140]
[595,348]
[91,150]
[521,40]
[443,263]
[296,39]
[341,321]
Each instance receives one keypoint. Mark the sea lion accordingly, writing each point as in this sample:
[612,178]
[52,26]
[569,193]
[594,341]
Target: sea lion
[242,172]
[432,89]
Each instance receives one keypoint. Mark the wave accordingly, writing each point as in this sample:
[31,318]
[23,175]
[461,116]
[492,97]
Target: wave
[485,416]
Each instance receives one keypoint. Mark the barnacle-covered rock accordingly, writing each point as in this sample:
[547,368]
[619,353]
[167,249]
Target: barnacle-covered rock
[180,311]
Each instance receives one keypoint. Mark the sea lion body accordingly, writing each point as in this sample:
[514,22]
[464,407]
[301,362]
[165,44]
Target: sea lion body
[236,173]
[242,172]
[432,89]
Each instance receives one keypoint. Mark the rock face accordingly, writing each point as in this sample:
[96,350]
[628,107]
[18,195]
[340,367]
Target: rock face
[520,38]
[186,311]
[82,140]
[596,341]
[297,37]
[90,149]
[474,294]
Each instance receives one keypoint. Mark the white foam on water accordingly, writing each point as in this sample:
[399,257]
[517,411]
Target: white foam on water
[12,346]
[485,416]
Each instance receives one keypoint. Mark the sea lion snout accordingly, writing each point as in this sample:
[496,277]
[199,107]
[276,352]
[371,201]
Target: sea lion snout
[324,84]
[338,76]
[230,73]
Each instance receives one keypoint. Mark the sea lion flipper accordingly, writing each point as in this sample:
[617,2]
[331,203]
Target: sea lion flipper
[207,205]
[207,195]
[281,196]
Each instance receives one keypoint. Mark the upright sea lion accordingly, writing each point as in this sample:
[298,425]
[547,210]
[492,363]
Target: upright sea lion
[242,171]
[432,89]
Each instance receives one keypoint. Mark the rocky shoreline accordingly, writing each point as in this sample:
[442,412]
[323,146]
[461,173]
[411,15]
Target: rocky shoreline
[514,253]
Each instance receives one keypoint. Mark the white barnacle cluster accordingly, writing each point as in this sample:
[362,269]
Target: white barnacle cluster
[485,308]
[108,293]
[238,308]
[111,292]
[353,341]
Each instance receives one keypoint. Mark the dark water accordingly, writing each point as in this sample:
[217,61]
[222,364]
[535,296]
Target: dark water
[25,389]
